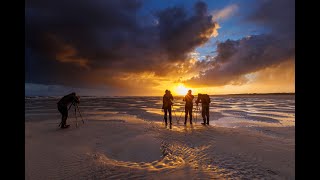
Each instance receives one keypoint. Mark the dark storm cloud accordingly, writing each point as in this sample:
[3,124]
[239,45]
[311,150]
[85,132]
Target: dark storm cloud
[180,34]
[67,42]
[278,15]
[236,58]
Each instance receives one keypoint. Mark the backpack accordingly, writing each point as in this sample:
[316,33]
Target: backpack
[205,98]
[167,101]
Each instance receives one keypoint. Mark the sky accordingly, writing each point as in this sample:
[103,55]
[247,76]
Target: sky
[143,47]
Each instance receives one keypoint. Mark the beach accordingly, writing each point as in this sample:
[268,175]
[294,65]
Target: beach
[249,137]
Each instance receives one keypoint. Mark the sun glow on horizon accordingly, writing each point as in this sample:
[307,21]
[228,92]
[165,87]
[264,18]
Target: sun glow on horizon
[181,90]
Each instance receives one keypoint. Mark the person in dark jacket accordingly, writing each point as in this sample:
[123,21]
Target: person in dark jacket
[63,107]
[188,106]
[204,99]
[166,106]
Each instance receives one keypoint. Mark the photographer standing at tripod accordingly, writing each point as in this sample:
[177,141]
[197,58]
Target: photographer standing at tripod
[188,107]
[63,107]
[204,99]
[166,106]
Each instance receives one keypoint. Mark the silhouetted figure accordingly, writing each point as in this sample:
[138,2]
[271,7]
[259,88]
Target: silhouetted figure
[63,107]
[166,106]
[188,107]
[204,99]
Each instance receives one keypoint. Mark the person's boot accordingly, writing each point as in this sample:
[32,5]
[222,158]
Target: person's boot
[66,126]
[63,122]
[63,126]
[204,122]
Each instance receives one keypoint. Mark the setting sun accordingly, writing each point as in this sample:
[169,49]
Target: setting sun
[181,89]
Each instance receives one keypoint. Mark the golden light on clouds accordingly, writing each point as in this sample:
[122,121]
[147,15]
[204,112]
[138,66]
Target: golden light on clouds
[67,53]
[274,79]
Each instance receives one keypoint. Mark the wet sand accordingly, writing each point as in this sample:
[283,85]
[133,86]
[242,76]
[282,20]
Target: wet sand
[121,145]
[117,149]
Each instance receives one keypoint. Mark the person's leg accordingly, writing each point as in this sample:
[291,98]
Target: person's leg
[64,120]
[203,113]
[60,111]
[207,113]
[170,116]
[186,114]
[64,112]
[165,115]
[64,115]
[190,114]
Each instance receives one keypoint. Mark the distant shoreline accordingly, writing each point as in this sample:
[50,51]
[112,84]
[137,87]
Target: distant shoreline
[255,94]
[250,94]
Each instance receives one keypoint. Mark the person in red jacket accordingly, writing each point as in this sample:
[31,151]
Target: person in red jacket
[63,107]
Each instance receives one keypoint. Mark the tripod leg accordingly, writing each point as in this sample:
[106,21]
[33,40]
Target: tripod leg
[75,113]
[195,115]
[80,114]
[180,115]
[175,115]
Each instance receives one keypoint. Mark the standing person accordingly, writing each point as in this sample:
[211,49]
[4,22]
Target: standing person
[204,99]
[188,107]
[63,107]
[166,106]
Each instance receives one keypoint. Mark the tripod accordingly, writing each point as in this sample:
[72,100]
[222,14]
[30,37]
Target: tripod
[76,107]
[174,113]
[197,109]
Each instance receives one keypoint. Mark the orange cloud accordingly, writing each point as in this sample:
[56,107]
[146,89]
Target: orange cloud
[69,55]
[282,76]
[66,53]
[273,79]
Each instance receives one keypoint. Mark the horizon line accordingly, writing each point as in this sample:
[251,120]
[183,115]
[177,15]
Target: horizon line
[281,93]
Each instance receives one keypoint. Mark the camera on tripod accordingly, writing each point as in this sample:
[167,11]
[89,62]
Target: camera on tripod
[75,104]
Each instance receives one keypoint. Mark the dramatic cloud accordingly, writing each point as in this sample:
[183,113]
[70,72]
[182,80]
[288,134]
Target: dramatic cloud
[225,12]
[236,58]
[81,43]
[282,74]
[118,47]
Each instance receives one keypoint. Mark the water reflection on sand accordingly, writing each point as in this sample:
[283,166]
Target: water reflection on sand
[228,111]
